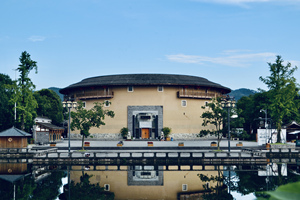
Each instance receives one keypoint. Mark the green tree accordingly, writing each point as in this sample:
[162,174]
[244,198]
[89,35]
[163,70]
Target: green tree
[124,132]
[215,116]
[6,109]
[282,93]
[49,104]
[84,119]
[250,107]
[166,131]
[26,103]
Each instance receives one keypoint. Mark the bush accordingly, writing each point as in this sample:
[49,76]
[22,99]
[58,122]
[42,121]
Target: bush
[166,131]
[124,132]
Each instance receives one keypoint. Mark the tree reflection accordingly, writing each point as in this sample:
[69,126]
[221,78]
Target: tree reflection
[48,188]
[84,190]
[219,191]
[26,187]
[251,182]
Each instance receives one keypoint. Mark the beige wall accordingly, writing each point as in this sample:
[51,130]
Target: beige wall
[172,183]
[179,119]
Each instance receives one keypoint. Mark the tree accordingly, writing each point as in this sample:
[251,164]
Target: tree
[6,109]
[166,131]
[26,103]
[217,117]
[250,107]
[84,119]
[49,104]
[282,93]
[213,116]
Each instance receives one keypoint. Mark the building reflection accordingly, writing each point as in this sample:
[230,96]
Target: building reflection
[128,182]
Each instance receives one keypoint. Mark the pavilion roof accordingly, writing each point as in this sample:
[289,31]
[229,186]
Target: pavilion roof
[14,132]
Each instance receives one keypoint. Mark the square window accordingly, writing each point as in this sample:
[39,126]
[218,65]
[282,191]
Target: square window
[130,88]
[184,187]
[160,88]
[183,103]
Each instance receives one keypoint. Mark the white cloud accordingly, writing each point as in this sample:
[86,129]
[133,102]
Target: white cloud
[36,38]
[233,58]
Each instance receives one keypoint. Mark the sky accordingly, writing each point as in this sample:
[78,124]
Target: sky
[229,42]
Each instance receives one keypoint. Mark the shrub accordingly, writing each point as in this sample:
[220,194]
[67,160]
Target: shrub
[124,132]
[166,131]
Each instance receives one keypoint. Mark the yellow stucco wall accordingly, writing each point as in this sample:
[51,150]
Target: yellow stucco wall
[179,119]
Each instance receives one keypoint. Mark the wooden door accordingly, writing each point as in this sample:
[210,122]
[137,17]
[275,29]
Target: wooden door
[145,133]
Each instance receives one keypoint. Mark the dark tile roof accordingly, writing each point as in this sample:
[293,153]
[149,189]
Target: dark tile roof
[143,80]
[14,132]
[50,126]
[11,178]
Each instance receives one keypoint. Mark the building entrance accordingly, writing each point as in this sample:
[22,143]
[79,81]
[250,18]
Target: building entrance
[145,133]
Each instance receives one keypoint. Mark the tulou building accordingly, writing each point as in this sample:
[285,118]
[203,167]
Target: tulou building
[145,103]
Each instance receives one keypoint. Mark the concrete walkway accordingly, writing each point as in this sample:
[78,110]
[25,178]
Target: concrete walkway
[197,143]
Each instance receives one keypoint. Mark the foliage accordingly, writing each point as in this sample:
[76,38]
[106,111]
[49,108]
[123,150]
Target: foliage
[282,92]
[6,109]
[166,131]
[56,90]
[124,131]
[289,191]
[213,116]
[84,190]
[249,181]
[219,191]
[48,188]
[49,105]
[250,110]
[26,103]
[84,120]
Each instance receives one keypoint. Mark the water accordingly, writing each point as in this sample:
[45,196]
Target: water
[29,181]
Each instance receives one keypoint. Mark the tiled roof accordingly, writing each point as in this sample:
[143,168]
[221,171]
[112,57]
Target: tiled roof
[50,126]
[143,80]
[14,132]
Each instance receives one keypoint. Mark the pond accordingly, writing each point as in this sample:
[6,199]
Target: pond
[32,181]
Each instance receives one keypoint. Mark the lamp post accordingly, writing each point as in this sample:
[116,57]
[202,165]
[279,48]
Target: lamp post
[69,104]
[228,103]
[266,122]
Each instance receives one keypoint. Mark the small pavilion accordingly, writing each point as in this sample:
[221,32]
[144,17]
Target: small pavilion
[13,138]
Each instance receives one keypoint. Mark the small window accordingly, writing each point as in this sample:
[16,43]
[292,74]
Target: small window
[160,88]
[106,103]
[184,187]
[130,88]
[106,187]
[183,103]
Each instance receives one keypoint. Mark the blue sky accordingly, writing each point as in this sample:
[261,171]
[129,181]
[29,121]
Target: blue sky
[226,41]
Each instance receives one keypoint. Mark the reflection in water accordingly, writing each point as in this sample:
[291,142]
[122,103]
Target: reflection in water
[27,181]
